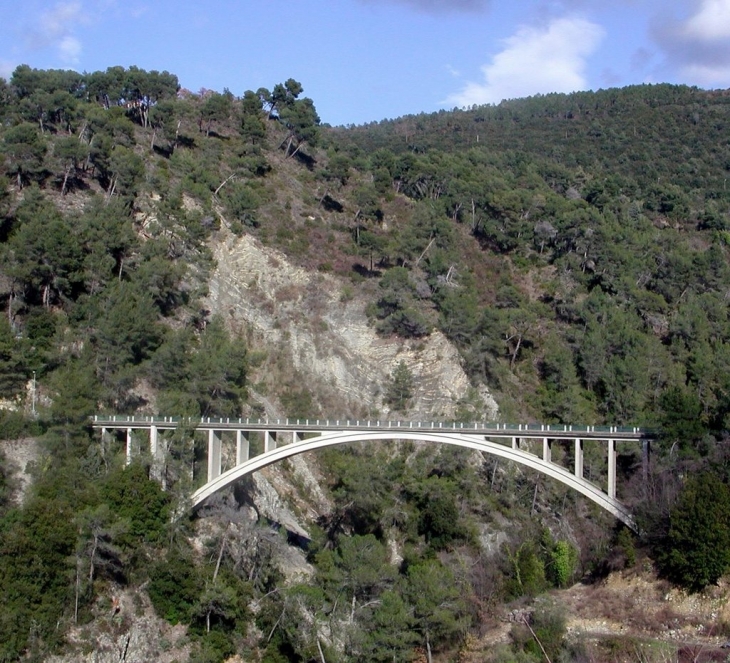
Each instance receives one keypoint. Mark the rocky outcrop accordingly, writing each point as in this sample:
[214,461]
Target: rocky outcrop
[317,321]
[19,455]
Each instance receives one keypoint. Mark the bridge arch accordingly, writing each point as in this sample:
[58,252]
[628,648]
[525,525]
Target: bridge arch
[329,439]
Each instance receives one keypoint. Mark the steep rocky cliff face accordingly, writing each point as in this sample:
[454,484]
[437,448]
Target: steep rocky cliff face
[314,331]
[314,326]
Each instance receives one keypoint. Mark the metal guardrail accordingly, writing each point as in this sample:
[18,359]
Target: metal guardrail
[531,430]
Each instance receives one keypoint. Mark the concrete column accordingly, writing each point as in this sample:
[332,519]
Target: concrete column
[269,441]
[546,449]
[579,458]
[515,443]
[297,437]
[612,468]
[104,442]
[242,446]
[214,454]
[155,471]
[129,446]
[153,442]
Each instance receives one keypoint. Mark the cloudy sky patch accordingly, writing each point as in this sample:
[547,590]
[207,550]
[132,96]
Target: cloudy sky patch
[536,60]
[711,22]
[55,28]
[696,48]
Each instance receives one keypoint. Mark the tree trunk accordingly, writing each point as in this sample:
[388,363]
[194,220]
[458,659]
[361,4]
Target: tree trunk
[91,558]
[220,555]
[514,354]
[428,650]
[425,251]
[299,147]
[65,180]
[534,498]
[77,591]
[321,653]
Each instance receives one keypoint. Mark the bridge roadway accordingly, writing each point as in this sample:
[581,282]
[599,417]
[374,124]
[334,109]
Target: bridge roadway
[309,434]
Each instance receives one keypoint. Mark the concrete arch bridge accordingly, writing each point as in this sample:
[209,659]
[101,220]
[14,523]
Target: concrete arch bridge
[283,438]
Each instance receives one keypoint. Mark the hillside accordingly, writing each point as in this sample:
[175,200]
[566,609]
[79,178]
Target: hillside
[554,259]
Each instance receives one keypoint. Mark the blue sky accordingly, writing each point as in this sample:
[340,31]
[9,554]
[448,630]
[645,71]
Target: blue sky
[366,60]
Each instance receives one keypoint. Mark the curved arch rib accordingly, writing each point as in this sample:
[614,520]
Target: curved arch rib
[584,487]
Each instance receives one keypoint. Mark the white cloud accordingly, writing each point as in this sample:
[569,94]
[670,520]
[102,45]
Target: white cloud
[711,22]
[56,28]
[697,49]
[707,75]
[70,49]
[536,60]
[59,21]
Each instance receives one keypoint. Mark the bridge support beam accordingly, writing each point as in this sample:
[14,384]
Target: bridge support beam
[515,442]
[242,446]
[611,468]
[578,458]
[214,454]
[269,441]
[546,449]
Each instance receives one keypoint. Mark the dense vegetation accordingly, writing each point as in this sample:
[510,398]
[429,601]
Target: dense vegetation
[573,247]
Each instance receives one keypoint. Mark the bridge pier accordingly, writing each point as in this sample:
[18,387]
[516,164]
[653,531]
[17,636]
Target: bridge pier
[243,446]
[611,468]
[214,454]
[578,466]
[129,446]
[269,441]
[645,460]
[547,447]
[157,452]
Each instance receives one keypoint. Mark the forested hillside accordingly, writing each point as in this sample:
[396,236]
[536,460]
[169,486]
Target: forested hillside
[573,248]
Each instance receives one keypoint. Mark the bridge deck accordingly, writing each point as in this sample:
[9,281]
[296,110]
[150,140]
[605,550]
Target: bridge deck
[488,429]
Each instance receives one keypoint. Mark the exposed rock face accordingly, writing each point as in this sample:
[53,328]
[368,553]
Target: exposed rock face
[18,454]
[327,336]
[128,632]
